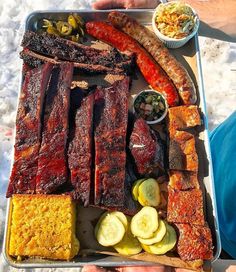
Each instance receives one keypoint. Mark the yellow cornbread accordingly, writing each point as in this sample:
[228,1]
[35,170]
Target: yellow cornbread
[43,226]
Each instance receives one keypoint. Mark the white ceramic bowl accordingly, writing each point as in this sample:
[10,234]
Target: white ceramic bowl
[171,42]
[166,106]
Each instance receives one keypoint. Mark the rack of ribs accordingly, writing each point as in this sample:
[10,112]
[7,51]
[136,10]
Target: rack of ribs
[28,131]
[80,145]
[111,117]
[44,47]
[183,180]
[52,162]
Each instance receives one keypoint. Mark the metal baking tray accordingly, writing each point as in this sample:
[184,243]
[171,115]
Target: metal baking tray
[189,56]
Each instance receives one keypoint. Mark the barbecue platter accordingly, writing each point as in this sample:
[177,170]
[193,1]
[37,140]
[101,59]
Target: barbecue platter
[89,174]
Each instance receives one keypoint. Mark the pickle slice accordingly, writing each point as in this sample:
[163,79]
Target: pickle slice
[122,217]
[135,188]
[157,236]
[99,222]
[129,245]
[145,222]
[110,231]
[149,193]
[165,245]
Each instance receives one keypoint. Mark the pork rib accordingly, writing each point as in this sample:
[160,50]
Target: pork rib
[87,58]
[52,164]
[28,131]
[80,145]
[111,117]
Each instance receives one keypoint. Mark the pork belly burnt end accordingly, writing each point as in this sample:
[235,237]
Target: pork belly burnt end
[146,148]
[111,117]
[195,242]
[28,131]
[182,152]
[183,180]
[183,117]
[52,163]
[185,207]
[87,58]
[80,145]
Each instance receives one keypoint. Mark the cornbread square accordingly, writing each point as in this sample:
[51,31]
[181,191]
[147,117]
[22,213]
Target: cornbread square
[183,117]
[185,206]
[43,226]
[183,180]
[195,242]
[182,152]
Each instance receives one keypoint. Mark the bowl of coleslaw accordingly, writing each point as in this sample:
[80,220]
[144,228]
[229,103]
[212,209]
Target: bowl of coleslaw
[175,23]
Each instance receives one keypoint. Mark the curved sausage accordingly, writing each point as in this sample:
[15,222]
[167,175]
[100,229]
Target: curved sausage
[160,53]
[151,71]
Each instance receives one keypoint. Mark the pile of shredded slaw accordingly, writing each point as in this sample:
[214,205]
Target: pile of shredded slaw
[175,20]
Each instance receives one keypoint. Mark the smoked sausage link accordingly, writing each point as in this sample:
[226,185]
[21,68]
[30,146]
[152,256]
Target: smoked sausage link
[159,52]
[151,71]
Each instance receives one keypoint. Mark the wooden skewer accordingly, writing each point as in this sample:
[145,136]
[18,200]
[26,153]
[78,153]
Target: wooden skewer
[154,259]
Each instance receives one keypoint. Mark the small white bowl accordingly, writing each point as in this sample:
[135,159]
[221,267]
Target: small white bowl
[166,106]
[172,42]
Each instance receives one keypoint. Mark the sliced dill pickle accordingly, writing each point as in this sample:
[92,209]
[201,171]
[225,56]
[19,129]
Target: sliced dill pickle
[135,188]
[129,245]
[145,223]
[157,236]
[122,217]
[110,231]
[149,193]
[165,245]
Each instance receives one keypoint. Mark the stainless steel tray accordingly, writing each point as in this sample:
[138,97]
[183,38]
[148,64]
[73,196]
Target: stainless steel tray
[189,56]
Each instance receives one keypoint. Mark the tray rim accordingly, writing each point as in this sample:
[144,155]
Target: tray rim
[124,262]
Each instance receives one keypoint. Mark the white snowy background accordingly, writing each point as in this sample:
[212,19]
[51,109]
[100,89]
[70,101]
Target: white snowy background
[218,63]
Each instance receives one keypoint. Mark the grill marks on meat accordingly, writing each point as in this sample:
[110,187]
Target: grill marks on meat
[28,131]
[86,58]
[159,52]
[195,242]
[52,164]
[80,145]
[146,148]
[111,115]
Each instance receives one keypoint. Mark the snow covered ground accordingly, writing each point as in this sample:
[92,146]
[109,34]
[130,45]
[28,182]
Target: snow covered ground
[218,62]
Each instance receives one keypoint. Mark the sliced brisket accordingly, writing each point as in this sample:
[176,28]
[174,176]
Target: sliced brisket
[146,148]
[86,58]
[28,131]
[111,117]
[52,163]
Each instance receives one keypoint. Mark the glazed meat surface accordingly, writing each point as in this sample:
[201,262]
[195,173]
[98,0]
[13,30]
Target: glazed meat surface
[183,117]
[195,242]
[111,117]
[52,162]
[182,152]
[28,131]
[183,180]
[185,207]
[146,148]
[80,145]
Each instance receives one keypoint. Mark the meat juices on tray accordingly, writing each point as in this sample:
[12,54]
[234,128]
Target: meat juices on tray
[80,145]
[52,162]
[111,118]
[28,131]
